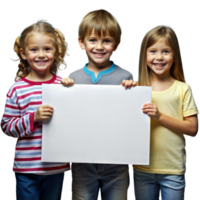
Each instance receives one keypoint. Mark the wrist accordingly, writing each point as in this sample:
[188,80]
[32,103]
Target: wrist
[33,125]
[35,117]
[159,117]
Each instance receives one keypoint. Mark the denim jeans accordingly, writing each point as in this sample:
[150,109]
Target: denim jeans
[113,180]
[148,186]
[39,187]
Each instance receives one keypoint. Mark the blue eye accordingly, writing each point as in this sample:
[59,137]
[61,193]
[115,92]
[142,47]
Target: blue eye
[166,51]
[152,51]
[92,40]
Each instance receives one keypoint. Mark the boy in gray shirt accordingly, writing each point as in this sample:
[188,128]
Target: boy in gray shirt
[99,36]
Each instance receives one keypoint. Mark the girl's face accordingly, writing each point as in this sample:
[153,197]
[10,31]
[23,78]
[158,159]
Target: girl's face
[39,52]
[160,58]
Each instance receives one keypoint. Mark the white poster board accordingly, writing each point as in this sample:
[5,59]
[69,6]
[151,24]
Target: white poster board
[96,124]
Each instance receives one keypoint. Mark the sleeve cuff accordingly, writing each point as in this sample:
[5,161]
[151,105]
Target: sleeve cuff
[33,126]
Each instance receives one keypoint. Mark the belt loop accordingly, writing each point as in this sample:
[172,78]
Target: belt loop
[100,167]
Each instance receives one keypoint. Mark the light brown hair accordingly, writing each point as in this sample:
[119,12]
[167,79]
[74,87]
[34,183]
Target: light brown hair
[100,21]
[151,38]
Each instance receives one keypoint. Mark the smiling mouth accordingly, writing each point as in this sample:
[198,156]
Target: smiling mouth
[98,54]
[159,64]
[41,61]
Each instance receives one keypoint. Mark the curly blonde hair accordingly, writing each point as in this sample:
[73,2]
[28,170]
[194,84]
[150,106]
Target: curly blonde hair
[151,38]
[100,21]
[45,28]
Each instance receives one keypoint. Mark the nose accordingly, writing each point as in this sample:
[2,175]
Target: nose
[99,45]
[41,54]
[159,56]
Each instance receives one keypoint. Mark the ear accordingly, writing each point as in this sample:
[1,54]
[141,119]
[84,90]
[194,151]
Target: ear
[81,43]
[116,45]
[22,53]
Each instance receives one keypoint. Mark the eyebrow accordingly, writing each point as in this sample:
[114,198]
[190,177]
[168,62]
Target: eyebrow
[162,49]
[94,37]
[37,46]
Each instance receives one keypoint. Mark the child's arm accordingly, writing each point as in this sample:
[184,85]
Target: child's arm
[188,126]
[67,82]
[15,125]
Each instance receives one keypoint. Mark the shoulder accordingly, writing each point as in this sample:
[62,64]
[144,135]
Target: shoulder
[123,73]
[16,85]
[18,89]
[182,86]
[185,91]
[123,70]
[77,73]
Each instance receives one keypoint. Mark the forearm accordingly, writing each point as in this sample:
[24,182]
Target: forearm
[18,127]
[189,126]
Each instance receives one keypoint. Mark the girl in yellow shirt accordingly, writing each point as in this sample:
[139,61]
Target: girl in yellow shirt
[173,113]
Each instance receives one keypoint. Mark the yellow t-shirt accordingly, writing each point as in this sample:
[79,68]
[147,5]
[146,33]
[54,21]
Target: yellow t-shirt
[167,148]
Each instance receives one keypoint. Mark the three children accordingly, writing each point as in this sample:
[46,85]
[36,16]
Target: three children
[41,49]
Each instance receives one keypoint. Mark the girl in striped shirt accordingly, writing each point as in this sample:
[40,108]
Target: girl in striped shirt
[41,50]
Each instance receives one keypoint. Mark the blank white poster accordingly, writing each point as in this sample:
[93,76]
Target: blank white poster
[96,124]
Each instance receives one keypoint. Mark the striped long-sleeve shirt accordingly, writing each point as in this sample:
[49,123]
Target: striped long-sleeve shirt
[23,100]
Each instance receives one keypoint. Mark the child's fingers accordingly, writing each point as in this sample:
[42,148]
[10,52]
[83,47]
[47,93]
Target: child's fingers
[131,83]
[45,114]
[147,105]
[64,81]
[123,82]
[128,83]
[134,83]
[45,111]
[46,106]
[67,82]
[71,82]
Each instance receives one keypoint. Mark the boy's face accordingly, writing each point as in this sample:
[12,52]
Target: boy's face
[99,49]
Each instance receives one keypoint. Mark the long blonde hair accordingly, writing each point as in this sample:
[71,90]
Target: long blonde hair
[46,28]
[151,38]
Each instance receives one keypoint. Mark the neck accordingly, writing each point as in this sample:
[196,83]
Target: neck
[162,77]
[98,67]
[39,77]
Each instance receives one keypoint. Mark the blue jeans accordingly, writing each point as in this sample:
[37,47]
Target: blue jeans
[39,187]
[113,180]
[148,186]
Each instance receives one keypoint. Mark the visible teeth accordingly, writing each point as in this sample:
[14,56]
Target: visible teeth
[159,65]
